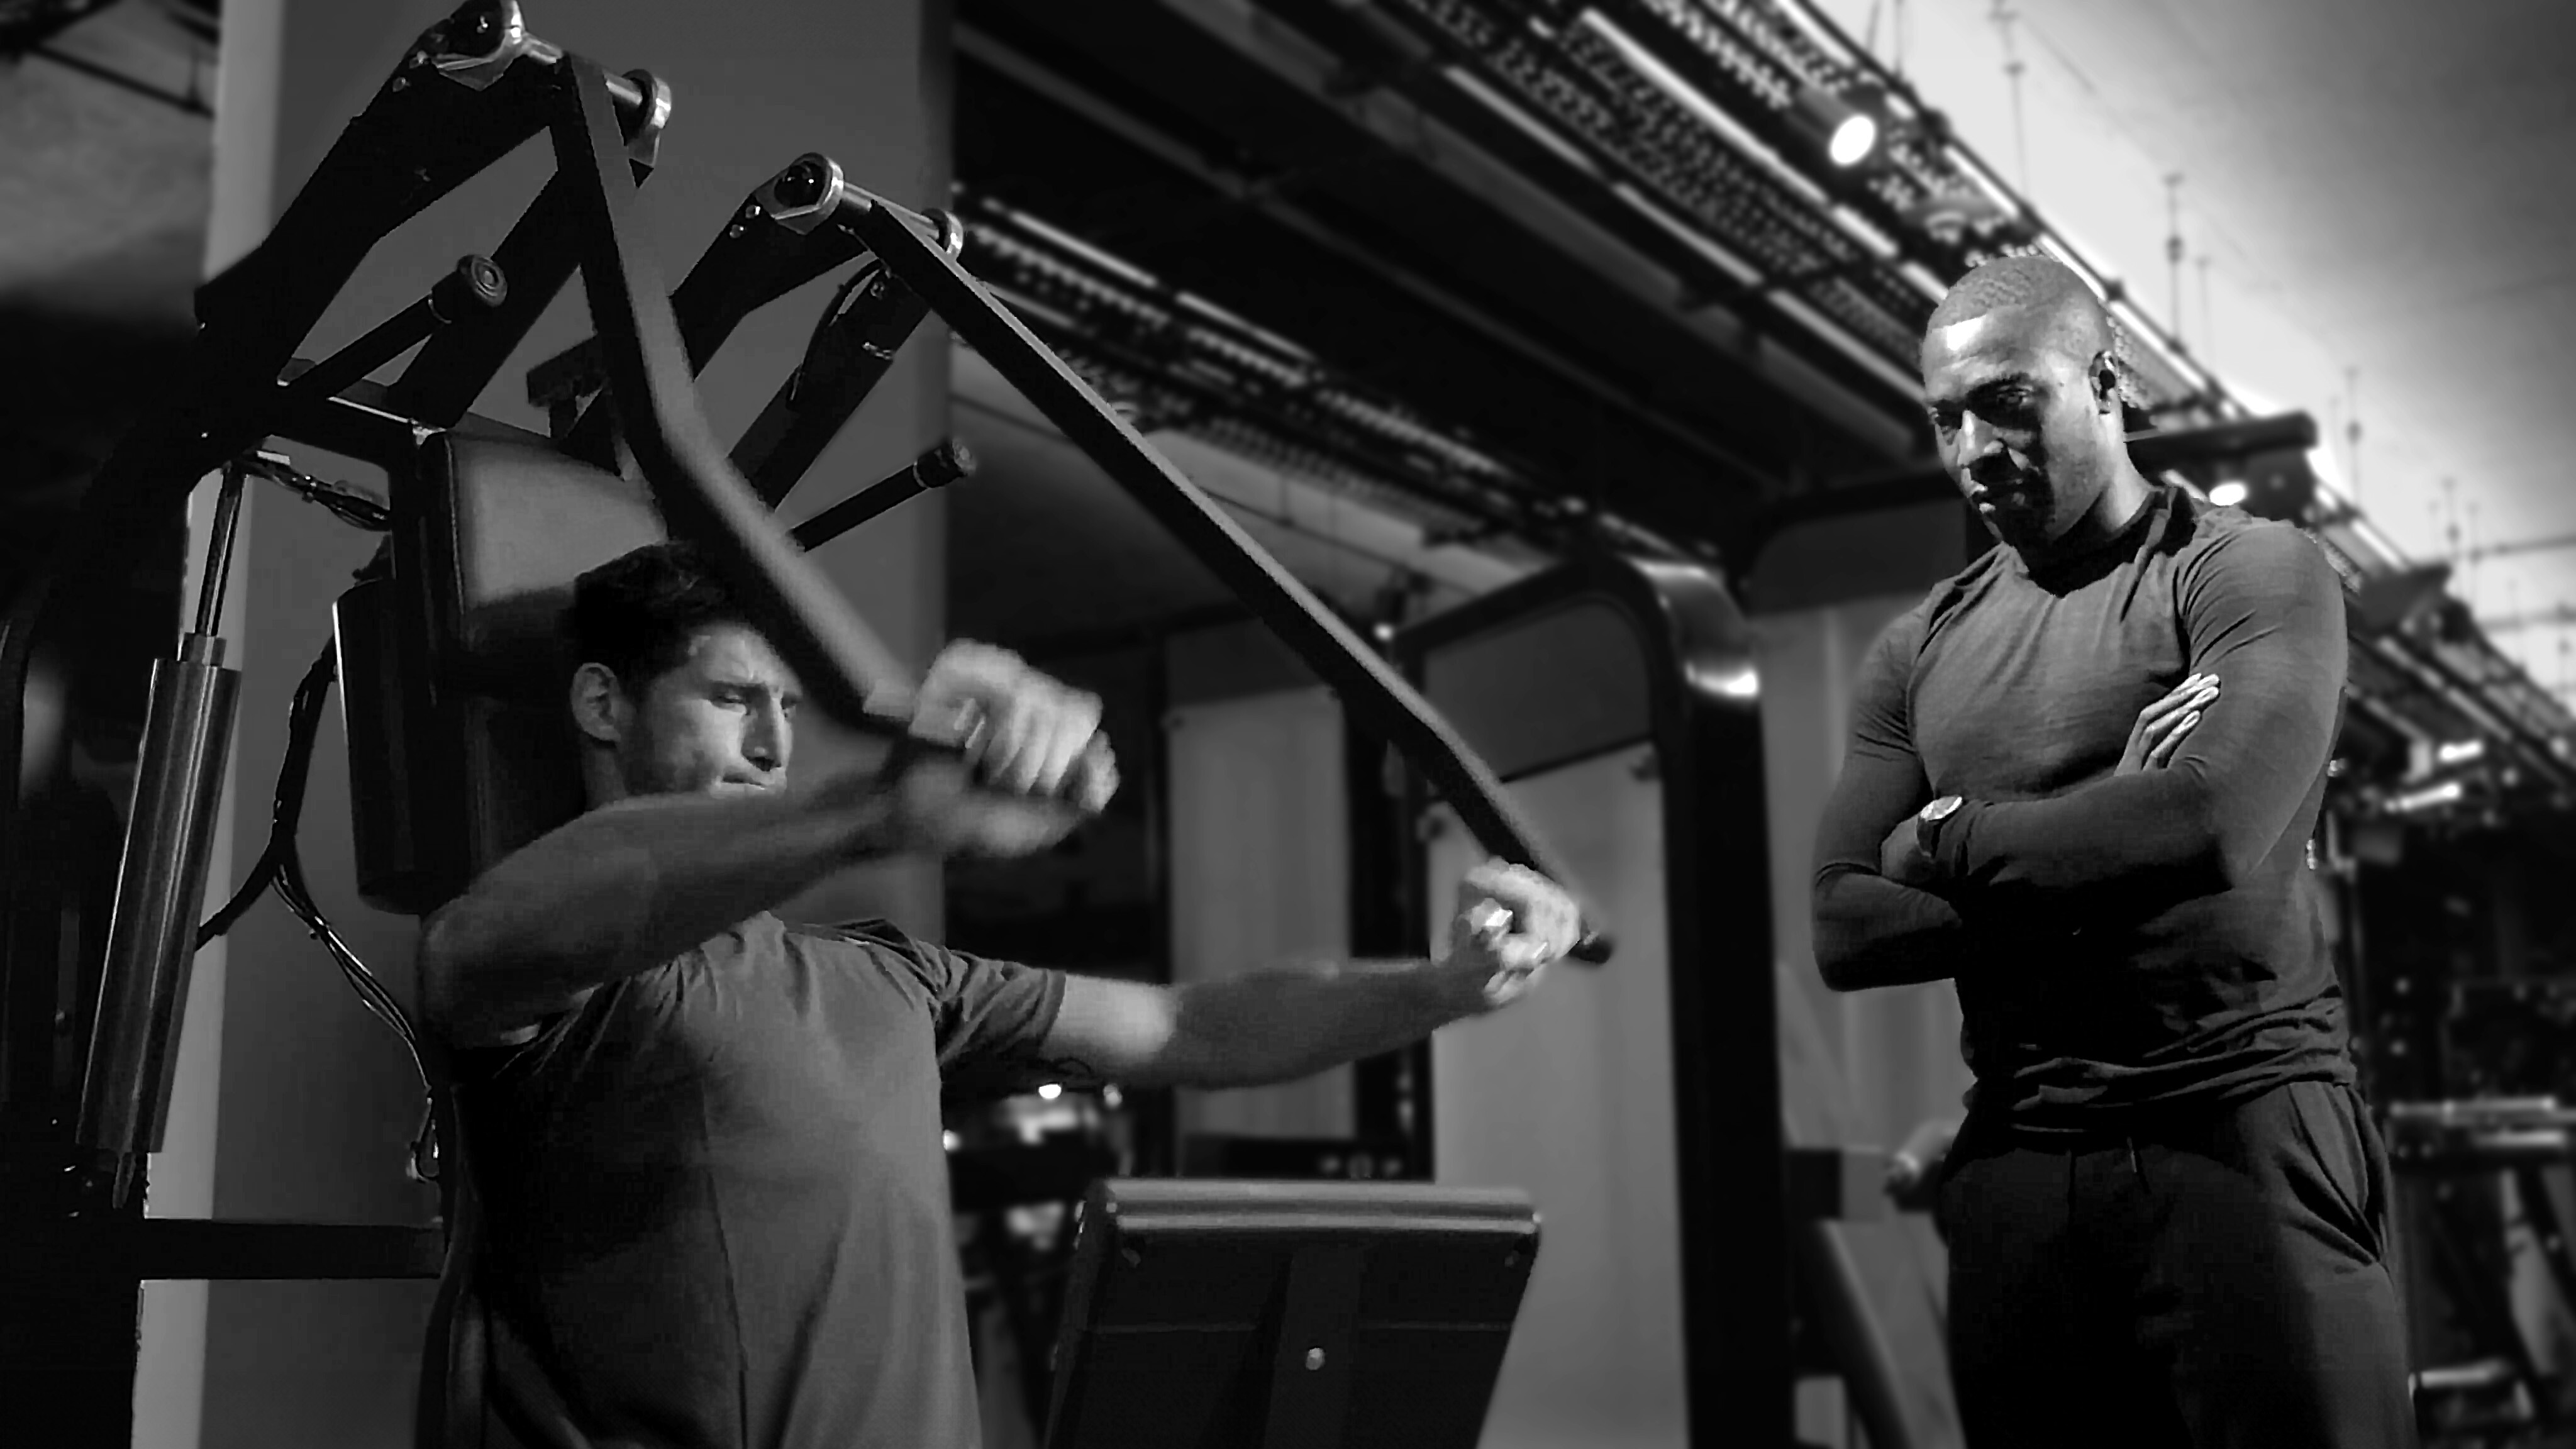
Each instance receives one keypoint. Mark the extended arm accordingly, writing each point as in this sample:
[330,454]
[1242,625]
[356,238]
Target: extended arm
[1279,1025]
[2263,612]
[630,885]
[624,888]
[1869,930]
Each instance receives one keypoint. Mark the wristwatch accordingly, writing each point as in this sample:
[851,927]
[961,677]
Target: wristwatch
[1927,824]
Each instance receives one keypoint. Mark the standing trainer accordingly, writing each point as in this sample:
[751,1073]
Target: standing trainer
[708,1141]
[2081,783]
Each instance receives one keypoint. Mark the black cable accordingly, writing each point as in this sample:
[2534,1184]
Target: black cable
[280,867]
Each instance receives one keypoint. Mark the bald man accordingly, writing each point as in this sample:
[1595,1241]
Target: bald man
[2081,782]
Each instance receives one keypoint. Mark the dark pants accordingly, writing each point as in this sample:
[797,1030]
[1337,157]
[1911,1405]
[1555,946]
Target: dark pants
[2218,1278]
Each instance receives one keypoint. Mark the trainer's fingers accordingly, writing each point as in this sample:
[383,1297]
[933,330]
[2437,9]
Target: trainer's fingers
[2182,697]
[2165,747]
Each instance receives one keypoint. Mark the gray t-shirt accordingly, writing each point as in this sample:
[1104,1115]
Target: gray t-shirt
[716,1205]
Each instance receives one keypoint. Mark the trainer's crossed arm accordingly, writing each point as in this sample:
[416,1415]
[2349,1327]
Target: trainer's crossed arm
[2263,616]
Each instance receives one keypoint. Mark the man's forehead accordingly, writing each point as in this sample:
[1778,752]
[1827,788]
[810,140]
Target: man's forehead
[1992,343]
[739,651]
[2005,331]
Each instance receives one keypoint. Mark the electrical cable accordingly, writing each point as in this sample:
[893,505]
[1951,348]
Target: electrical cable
[280,866]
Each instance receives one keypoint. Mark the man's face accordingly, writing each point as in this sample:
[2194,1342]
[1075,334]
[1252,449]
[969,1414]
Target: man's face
[722,722]
[2017,418]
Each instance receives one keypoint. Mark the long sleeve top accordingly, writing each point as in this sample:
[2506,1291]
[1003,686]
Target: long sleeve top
[2153,938]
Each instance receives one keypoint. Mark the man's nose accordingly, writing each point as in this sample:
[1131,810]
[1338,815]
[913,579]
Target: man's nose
[765,740]
[1977,438]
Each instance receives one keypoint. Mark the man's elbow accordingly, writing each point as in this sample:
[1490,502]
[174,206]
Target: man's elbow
[1843,958]
[2226,865]
[2221,860]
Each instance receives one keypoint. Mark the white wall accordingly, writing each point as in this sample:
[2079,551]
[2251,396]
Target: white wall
[1568,1096]
[1260,873]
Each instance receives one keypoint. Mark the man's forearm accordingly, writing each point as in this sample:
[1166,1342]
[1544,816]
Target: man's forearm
[1871,931]
[624,888]
[1279,1025]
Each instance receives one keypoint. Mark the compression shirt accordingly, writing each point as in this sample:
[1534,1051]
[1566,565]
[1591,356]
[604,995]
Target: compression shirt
[2154,938]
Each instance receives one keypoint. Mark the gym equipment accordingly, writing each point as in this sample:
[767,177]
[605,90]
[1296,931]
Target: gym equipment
[1642,1106]
[438,639]
[1254,1315]
[1688,1240]
[2454,1161]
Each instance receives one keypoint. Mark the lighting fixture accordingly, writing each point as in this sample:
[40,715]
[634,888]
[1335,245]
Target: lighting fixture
[1847,133]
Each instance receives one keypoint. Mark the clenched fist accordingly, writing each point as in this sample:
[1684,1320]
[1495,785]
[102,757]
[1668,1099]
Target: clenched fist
[1512,924]
[1034,763]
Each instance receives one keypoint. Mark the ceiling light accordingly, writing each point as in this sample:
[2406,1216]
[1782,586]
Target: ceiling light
[1847,133]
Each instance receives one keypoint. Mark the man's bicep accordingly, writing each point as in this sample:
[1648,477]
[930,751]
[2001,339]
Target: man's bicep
[1111,1031]
[2266,617]
[1883,779]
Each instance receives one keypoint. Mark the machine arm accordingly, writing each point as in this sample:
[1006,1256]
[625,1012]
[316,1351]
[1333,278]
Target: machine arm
[1374,693]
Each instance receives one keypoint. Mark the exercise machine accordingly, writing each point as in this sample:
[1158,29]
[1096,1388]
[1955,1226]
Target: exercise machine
[441,645]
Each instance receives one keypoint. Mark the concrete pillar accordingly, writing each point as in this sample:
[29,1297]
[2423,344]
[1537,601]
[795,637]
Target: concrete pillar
[313,1101]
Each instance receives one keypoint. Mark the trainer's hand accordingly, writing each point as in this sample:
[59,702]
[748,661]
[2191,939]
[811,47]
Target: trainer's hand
[1512,924]
[1914,1170]
[2162,725]
[1035,764]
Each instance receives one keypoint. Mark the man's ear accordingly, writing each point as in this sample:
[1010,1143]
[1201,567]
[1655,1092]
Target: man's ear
[2105,379]
[600,708]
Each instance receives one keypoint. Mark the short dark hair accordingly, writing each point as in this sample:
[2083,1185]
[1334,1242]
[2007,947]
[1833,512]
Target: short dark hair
[637,613]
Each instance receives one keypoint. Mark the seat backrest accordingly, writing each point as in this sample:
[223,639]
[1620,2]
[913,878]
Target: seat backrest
[453,671]
[454,680]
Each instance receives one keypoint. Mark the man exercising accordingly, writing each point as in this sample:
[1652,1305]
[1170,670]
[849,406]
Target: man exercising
[708,1141]
[2167,1212]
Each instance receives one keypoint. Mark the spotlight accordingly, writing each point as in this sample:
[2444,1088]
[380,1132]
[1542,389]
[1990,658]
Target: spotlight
[1847,133]
[2275,483]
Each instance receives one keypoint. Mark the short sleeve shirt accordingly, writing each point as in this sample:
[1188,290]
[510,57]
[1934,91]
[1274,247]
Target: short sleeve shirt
[715,1197]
